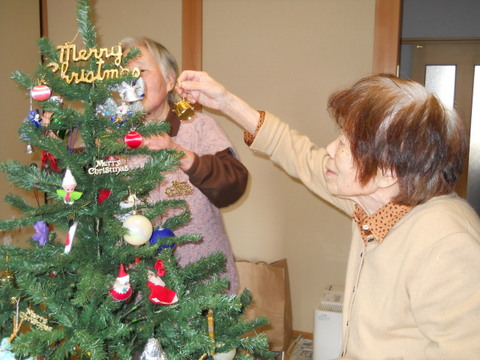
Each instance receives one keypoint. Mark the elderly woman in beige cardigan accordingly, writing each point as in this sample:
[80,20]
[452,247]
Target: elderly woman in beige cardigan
[413,277]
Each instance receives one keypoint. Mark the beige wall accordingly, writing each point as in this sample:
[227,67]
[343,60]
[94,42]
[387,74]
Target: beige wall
[287,57]
[115,20]
[19,29]
[283,56]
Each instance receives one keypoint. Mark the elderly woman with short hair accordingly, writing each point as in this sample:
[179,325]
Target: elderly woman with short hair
[210,174]
[413,277]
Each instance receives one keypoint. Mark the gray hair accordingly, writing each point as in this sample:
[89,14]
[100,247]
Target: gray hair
[162,56]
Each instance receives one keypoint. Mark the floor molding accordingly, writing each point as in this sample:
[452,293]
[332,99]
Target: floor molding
[306,335]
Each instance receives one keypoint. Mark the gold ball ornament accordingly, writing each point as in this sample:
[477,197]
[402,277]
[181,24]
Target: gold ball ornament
[6,278]
[140,230]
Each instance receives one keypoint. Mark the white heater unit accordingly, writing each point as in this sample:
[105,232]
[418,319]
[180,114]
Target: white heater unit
[327,332]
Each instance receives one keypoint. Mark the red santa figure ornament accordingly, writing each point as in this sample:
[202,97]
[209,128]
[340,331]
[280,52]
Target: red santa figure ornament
[159,293]
[121,289]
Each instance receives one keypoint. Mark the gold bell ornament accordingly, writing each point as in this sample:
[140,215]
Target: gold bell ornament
[184,110]
[6,276]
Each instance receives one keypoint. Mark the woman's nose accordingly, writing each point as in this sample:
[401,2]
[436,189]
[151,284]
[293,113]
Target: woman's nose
[332,148]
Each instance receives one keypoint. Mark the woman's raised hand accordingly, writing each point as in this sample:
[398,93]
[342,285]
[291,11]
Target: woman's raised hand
[199,87]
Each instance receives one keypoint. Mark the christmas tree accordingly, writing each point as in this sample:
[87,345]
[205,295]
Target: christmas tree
[110,285]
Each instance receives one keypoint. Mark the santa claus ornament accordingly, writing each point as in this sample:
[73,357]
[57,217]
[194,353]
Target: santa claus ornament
[121,289]
[159,293]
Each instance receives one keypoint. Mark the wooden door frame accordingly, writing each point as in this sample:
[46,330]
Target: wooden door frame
[192,31]
[387,36]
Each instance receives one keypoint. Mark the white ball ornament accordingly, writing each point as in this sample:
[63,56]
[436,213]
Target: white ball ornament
[140,230]
[225,356]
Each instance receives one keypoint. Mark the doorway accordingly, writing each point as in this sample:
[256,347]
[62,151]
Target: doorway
[451,68]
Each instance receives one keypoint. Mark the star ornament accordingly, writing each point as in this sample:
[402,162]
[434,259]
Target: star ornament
[41,232]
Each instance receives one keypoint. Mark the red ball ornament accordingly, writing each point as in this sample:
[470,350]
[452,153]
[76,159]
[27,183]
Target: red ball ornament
[41,92]
[103,194]
[133,139]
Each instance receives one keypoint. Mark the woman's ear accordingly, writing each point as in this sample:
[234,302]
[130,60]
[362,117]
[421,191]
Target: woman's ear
[170,81]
